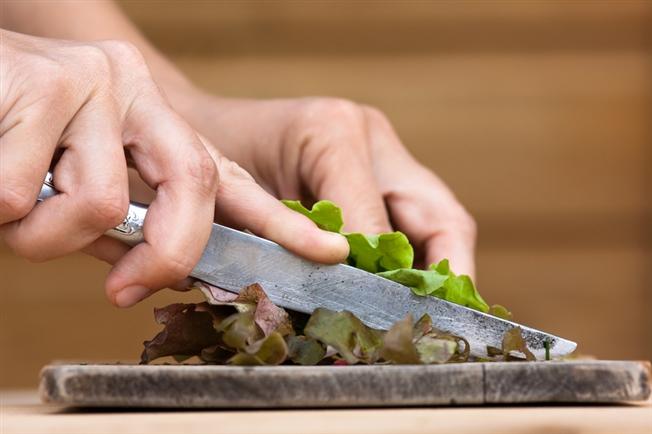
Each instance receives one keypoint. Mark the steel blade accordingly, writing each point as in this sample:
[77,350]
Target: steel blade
[235,259]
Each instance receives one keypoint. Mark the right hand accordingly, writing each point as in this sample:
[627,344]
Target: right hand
[93,101]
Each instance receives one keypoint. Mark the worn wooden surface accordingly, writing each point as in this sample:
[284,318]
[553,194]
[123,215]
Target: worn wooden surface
[22,414]
[205,386]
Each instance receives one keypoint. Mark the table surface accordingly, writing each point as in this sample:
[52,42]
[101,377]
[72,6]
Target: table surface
[22,412]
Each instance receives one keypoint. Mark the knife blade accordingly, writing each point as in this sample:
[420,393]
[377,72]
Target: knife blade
[234,259]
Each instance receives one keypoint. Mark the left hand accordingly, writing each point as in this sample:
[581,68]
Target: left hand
[327,148]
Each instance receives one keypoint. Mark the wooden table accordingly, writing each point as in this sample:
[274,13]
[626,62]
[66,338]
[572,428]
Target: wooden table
[23,413]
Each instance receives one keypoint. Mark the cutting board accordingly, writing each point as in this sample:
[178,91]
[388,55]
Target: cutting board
[209,386]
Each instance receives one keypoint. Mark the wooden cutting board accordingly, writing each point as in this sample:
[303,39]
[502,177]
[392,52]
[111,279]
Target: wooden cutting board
[208,386]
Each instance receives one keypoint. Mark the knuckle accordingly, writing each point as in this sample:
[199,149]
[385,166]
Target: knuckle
[95,59]
[125,51]
[331,110]
[233,172]
[466,224]
[375,114]
[55,80]
[203,173]
[16,201]
[177,266]
[107,208]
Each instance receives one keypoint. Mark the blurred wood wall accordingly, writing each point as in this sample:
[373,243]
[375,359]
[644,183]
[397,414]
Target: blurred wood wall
[538,114]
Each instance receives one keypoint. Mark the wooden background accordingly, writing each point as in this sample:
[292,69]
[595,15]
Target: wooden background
[538,114]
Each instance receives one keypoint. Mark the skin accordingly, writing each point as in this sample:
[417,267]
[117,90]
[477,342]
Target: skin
[110,99]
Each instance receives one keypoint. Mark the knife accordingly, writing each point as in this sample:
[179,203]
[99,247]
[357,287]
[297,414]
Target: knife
[234,259]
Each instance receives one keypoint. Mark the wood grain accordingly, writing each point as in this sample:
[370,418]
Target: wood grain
[206,386]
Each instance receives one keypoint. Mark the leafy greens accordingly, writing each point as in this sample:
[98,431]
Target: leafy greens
[372,253]
[250,330]
[391,255]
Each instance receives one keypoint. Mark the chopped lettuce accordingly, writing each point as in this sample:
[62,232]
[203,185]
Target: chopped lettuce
[228,333]
[350,337]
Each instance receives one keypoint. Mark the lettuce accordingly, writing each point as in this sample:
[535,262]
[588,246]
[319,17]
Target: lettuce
[378,253]
[251,330]
[372,253]
[325,214]
[391,255]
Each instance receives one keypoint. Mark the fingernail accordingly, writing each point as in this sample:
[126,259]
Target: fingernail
[131,295]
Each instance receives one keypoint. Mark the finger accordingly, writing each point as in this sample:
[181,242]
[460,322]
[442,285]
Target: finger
[27,144]
[336,164]
[106,249]
[92,179]
[171,160]
[111,251]
[454,246]
[436,224]
[419,203]
[242,203]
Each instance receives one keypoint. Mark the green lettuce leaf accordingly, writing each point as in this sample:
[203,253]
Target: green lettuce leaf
[398,345]
[422,282]
[460,290]
[372,253]
[325,214]
[405,343]
[439,281]
[305,351]
[391,255]
[436,350]
[349,336]
[270,350]
[500,311]
[239,330]
[378,253]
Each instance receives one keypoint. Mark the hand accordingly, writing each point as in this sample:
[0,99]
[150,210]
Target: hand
[323,148]
[88,103]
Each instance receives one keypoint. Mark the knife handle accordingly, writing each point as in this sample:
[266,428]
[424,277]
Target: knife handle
[130,231]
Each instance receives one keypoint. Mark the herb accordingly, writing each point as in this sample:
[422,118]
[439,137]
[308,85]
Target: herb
[390,255]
